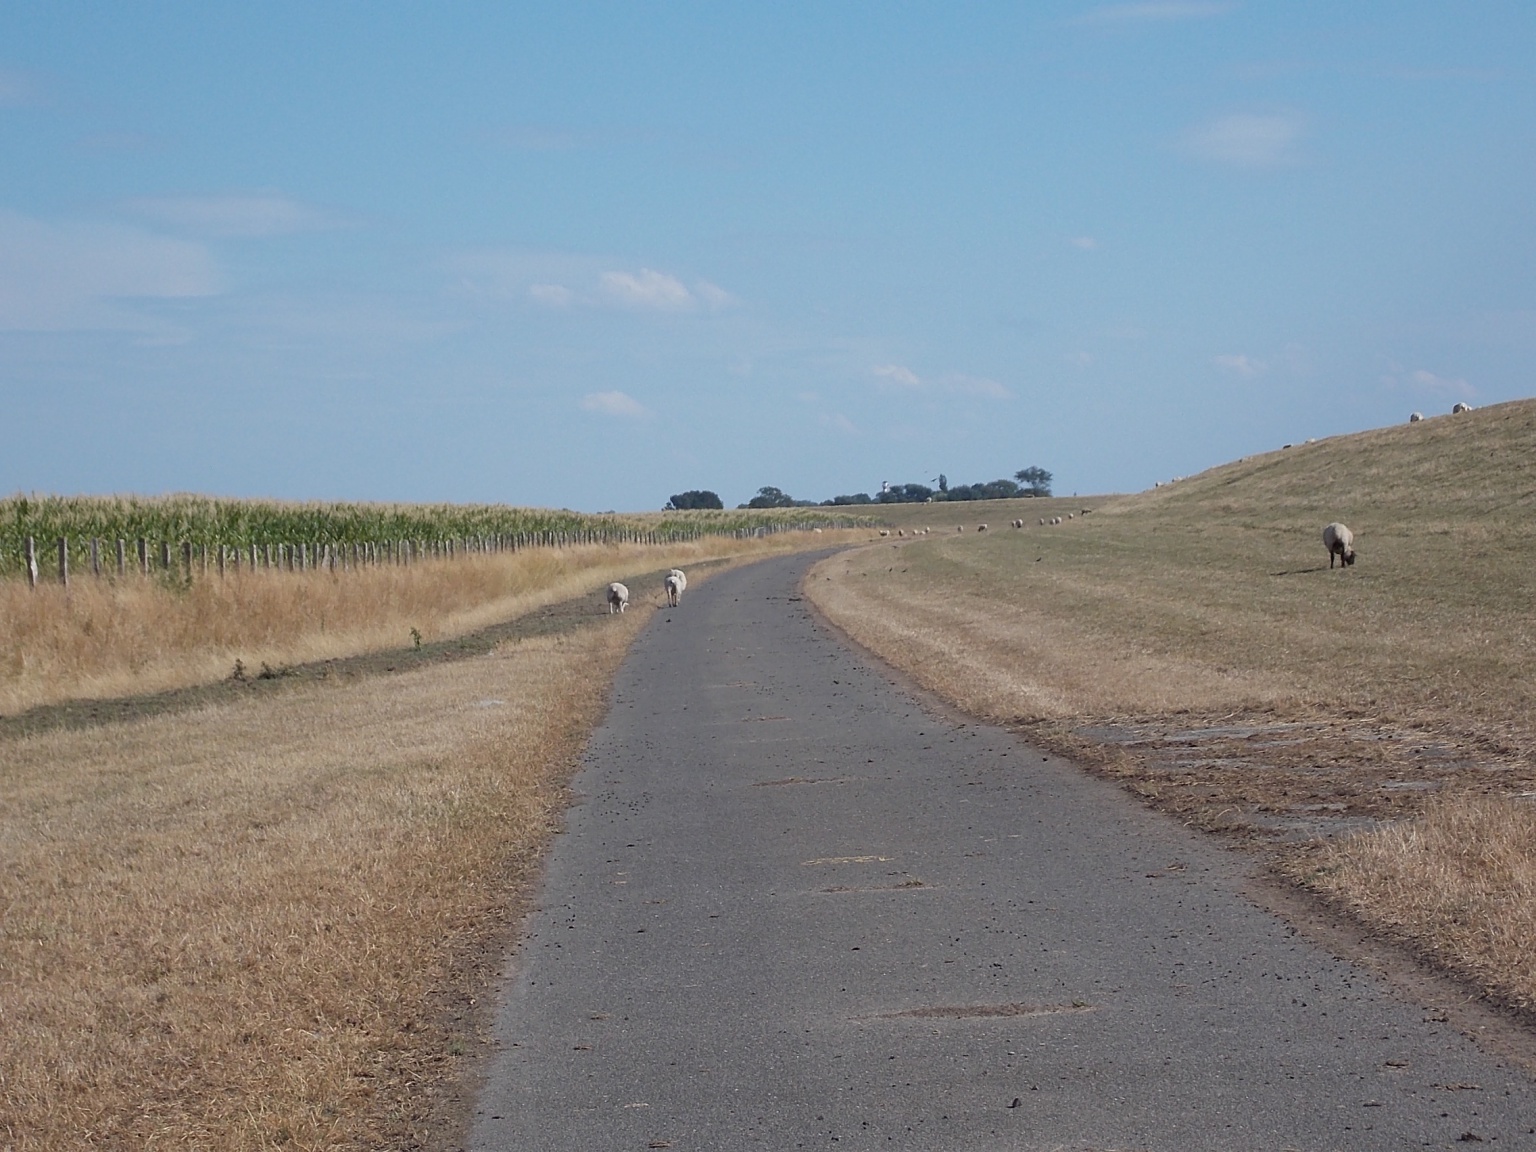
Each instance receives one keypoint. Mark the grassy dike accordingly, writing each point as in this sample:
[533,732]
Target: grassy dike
[1373,729]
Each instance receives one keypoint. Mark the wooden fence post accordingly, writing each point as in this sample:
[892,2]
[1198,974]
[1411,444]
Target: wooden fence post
[186,559]
[95,556]
[221,561]
[64,561]
[143,556]
[165,555]
[31,560]
[122,557]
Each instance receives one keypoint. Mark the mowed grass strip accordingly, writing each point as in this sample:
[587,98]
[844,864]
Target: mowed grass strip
[1208,606]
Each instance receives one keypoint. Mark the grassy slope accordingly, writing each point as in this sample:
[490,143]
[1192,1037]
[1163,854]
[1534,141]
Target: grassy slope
[1218,586]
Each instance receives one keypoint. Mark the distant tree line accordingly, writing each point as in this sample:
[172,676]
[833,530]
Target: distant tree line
[1031,481]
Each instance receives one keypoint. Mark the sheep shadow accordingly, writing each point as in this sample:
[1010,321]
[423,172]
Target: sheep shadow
[1301,571]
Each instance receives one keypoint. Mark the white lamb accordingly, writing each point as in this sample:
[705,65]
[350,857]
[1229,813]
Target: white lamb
[673,587]
[618,598]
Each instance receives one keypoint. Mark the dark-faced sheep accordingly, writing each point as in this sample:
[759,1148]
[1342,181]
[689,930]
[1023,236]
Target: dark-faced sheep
[1340,542]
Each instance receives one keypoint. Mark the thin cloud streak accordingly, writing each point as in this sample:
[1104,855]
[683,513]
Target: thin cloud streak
[254,215]
[958,383]
[618,404]
[1241,364]
[76,275]
[1248,140]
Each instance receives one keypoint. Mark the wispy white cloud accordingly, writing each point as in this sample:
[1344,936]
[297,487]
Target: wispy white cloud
[614,404]
[240,215]
[714,297]
[1154,12]
[900,376]
[1080,359]
[1241,364]
[839,422]
[565,280]
[647,289]
[79,275]
[1248,140]
[1086,243]
[975,386]
[897,375]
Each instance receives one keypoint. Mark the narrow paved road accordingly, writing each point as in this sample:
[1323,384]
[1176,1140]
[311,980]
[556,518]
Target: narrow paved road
[796,910]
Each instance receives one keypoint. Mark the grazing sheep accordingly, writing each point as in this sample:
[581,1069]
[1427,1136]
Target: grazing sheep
[1069,515]
[885,531]
[1340,542]
[959,527]
[981,527]
[618,598]
[1461,407]
[673,587]
[1042,520]
[1415,417]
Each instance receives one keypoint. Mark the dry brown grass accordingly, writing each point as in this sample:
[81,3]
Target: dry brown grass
[1458,881]
[224,929]
[1194,641]
[108,638]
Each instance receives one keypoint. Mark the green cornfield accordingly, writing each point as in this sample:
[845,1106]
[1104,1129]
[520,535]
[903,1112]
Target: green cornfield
[207,523]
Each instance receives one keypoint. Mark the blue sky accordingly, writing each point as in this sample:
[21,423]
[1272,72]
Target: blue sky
[588,255]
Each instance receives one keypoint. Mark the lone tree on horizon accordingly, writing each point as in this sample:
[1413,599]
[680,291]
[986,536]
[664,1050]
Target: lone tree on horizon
[1036,479]
[694,498]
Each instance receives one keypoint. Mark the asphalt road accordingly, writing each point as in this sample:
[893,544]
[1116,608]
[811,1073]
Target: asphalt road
[795,909]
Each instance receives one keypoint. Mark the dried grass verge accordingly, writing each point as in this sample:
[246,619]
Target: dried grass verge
[109,638]
[228,929]
[1457,882]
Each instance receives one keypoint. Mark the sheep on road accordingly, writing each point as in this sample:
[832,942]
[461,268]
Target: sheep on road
[618,598]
